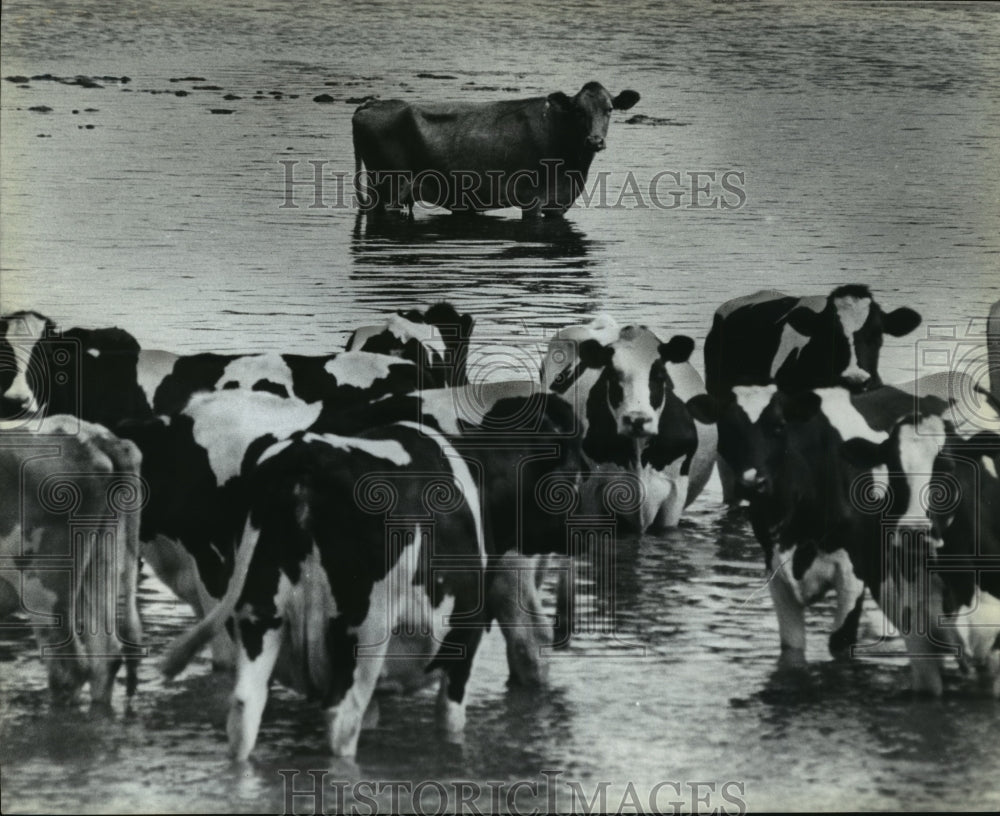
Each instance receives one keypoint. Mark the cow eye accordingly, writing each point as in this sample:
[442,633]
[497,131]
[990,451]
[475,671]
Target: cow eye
[775,429]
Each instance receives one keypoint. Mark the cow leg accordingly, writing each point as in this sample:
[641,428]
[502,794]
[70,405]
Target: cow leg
[98,631]
[845,633]
[850,598]
[176,568]
[345,712]
[925,670]
[670,510]
[451,692]
[513,601]
[727,477]
[58,646]
[131,634]
[565,596]
[253,675]
[791,621]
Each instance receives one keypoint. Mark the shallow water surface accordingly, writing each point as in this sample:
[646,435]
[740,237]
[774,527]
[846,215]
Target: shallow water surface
[868,138]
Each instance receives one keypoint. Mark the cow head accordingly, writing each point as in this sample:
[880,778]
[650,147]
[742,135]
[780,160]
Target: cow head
[455,330]
[415,340]
[846,337]
[592,107]
[740,439]
[89,373]
[904,465]
[23,364]
[633,380]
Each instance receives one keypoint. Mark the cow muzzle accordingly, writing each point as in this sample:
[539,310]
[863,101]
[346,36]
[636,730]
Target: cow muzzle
[16,408]
[636,424]
[916,535]
[856,380]
[753,482]
[596,143]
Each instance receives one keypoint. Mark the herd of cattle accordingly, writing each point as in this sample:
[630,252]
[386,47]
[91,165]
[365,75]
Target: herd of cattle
[363,517]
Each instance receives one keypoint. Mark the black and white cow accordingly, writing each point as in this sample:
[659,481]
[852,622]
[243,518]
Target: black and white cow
[795,343]
[939,553]
[436,339]
[192,464]
[807,342]
[103,376]
[345,378]
[813,508]
[69,551]
[629,391]
[524,448]
[193,457]
[351,545]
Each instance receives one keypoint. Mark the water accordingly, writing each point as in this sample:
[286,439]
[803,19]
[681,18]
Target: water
[868,136]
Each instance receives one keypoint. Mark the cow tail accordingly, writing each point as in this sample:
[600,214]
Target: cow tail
[319,611]
[183,650]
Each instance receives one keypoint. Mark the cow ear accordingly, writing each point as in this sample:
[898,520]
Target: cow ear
[863,453]
[704,408]
[677,350]
[560,101]
[466,323]
[594,355]
[804,320]
[901,321]
[801,406]
[625,100]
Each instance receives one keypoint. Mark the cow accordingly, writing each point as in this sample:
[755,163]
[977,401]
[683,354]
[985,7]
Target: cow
[69,551]
[193,456]
[940,553]
[418,336]
[533,154]
[512,438]
[351,545]
[795,343]
[811,505]
[345,377]
[629,391]
[523,446]
[101,375]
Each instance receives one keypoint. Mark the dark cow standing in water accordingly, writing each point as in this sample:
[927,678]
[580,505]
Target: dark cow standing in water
[528,153]
[795,343]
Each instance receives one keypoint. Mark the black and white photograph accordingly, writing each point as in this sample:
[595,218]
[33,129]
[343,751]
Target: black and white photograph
[522,407]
